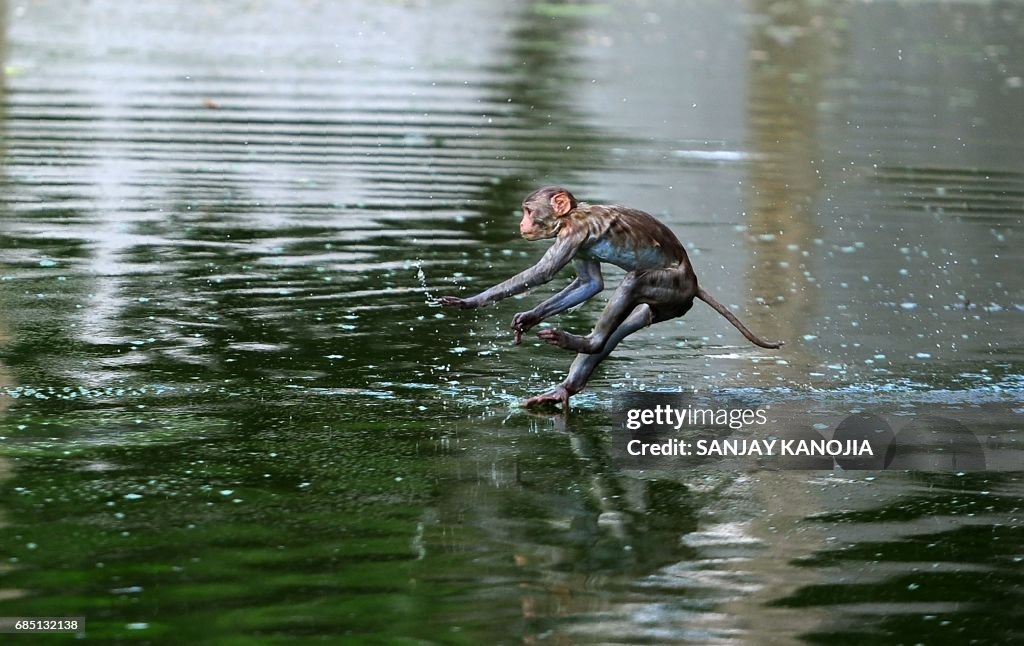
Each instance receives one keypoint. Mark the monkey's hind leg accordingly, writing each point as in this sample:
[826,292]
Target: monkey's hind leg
[584,364]
[621,305]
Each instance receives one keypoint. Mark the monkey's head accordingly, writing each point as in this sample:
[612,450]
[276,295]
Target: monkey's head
[543,212]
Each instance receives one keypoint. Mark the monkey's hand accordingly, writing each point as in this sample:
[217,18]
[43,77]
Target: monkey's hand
[522,322]
[455,301]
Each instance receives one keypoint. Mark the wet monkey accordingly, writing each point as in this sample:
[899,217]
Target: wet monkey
[660,283]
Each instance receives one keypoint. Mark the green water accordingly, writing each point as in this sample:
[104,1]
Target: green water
[230,414]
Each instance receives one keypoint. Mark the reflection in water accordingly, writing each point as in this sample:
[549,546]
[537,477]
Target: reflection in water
[6,380]
[790,48]
[538,77]
[789,58]
[218,225]
[928,567]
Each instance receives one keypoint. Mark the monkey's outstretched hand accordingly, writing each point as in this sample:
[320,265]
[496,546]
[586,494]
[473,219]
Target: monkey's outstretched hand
[455,301]
[521,324]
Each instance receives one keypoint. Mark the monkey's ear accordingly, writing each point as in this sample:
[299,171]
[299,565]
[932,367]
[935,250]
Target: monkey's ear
[561,203]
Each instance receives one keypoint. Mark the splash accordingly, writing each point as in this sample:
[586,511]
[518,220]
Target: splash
[421,276]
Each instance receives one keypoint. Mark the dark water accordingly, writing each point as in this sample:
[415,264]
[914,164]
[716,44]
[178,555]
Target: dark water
[230,414]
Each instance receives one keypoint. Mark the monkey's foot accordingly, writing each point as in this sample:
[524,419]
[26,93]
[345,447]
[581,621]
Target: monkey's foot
[565,340]
[557,395]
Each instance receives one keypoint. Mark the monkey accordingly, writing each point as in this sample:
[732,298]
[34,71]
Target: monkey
[659,285]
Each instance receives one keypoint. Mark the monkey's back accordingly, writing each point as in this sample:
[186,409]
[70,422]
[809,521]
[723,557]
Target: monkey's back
[629,238]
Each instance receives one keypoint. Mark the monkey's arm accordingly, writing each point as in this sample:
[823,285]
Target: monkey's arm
[556,257]
[588,283]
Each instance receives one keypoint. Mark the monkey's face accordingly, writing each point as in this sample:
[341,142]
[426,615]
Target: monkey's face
[543,212]
[538,222]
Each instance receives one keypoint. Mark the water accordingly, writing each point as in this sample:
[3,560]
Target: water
[230,412]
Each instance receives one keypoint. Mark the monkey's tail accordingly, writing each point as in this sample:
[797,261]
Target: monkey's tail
[729,316]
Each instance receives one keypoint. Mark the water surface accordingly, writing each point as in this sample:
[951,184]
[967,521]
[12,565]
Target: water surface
[229,411]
